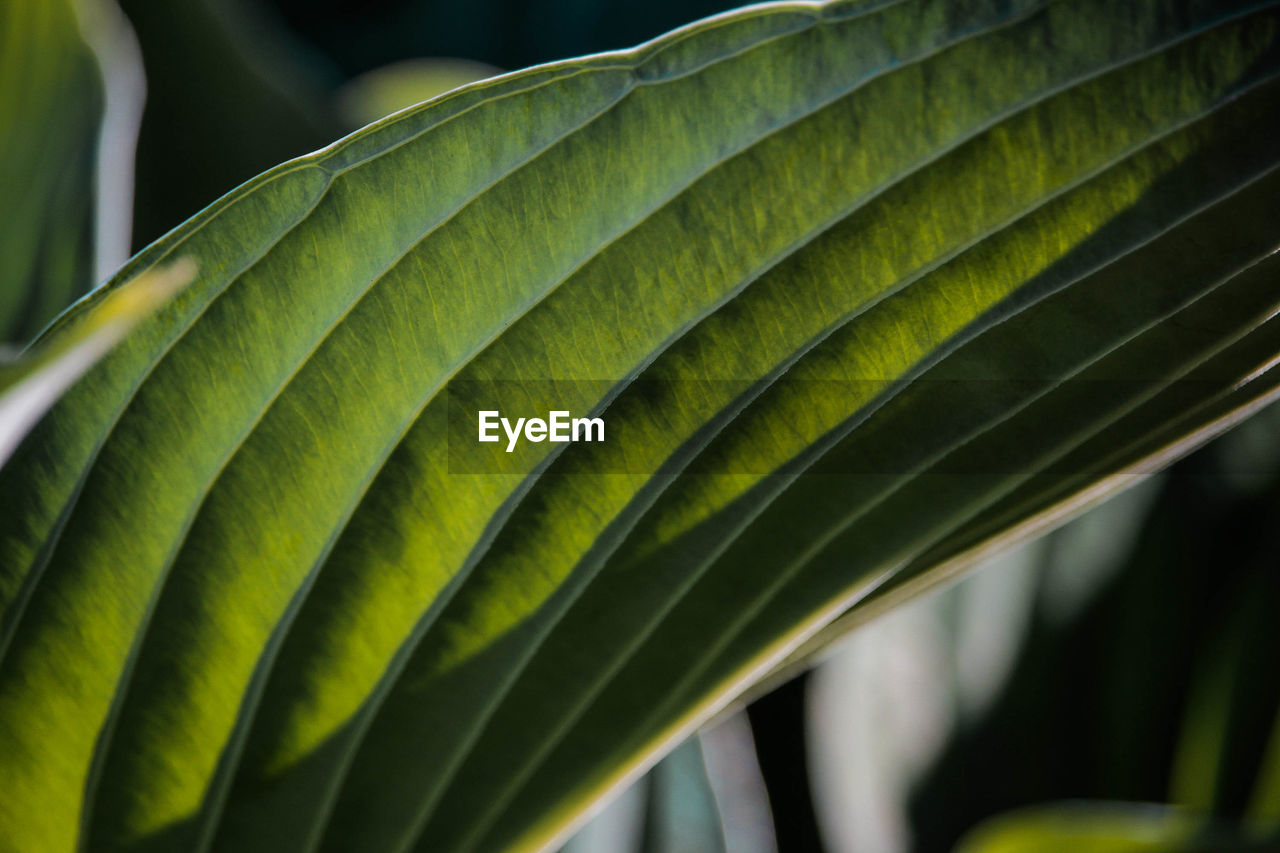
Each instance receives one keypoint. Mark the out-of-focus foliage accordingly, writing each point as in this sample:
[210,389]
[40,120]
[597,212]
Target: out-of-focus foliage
[1109,827]
[386,90]
[882,706]
[51,102]
[707,794]
[681,814]
[29,385]
[1161,689]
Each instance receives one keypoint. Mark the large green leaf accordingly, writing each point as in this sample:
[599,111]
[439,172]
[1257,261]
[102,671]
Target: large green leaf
[51,102]
[858,289]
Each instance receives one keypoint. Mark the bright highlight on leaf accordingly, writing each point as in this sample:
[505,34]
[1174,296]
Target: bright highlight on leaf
[859,290]
[32,383]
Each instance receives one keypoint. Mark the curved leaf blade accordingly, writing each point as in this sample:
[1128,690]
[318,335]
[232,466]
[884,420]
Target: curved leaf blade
[317,571]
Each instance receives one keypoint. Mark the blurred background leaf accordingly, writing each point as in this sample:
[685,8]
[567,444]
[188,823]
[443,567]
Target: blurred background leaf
[386,90]
[51,104]
[32,383]
[1105,827]
[1161,688]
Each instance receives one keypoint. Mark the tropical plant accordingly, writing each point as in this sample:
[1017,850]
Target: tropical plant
[862,292]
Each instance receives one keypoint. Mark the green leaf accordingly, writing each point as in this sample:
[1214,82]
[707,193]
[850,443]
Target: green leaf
[31,384]
[1107,828]
[51,102]
[1264,803]
[858,290]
